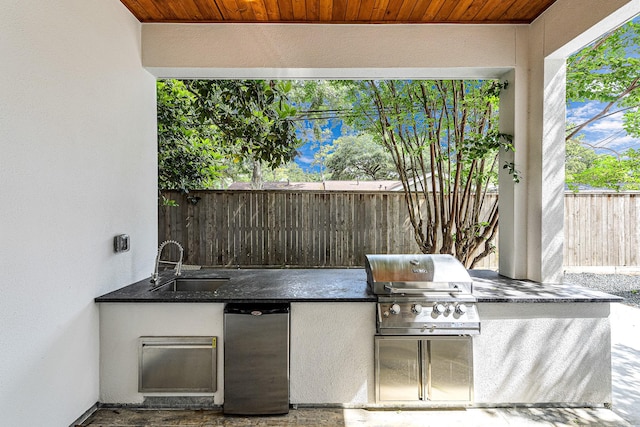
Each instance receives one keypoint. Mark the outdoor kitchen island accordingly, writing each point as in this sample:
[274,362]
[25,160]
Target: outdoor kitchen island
[539,344]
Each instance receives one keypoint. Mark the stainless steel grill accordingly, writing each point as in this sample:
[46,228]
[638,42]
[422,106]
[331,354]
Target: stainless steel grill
[422,295]
[426,318]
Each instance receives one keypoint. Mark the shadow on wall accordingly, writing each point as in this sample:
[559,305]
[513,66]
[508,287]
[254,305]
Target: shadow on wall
[576,381]
[626,382]
[553,159]
[548,357]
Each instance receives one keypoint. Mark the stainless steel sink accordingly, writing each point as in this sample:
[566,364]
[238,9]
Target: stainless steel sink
[183,284]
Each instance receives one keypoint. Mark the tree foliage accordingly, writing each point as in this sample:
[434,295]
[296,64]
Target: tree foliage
[188,153]
[292,172]
[608,71]
[578,159]
[321,106]
[205,124]
[607,171]
[442,136]
[252,117]
[358,157]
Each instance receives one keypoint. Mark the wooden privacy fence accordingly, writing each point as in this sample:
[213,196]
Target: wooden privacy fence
[321,229]
[602,229]
[282,228]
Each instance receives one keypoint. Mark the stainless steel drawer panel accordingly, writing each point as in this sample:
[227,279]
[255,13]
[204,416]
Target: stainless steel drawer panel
[177,364]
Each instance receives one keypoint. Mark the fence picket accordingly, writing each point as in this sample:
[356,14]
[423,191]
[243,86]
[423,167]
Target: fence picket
[336,229]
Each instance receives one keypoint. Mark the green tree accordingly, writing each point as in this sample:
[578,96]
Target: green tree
[358,157]
[292,172]
[253,118]
[578,159]
[616,173]
[232,120]
[608,71]
[442,136]
[188,154]
[321,105]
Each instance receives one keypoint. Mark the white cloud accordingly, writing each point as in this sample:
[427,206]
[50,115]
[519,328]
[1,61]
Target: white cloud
[623,142]
[579,112]
[304,159]
[606,125]
[606,132]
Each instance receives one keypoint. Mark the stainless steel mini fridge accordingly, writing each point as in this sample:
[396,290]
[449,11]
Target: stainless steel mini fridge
[256,359]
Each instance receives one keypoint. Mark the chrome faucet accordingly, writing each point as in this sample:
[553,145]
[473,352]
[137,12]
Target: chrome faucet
[156,271]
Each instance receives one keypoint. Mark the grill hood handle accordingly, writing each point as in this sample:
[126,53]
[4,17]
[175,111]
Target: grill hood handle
[392,289]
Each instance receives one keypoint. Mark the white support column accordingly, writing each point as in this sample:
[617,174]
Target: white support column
[514,216]
[512,201]
[554,39]
[532,109]
[546,170]
[544,173]
[553,176]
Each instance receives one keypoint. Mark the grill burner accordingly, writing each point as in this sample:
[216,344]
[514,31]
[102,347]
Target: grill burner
[422,295]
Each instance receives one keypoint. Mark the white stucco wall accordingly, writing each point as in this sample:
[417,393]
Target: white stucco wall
[77,166]
[543,353]
[121,325]
[327,51]
[332,353]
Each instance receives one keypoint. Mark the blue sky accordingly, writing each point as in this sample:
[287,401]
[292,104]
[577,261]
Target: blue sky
[606,132]
[605,135]
[305,157]
[306,154]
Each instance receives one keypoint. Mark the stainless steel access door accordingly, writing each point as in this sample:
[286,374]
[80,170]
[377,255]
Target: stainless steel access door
[256,359]
[398,369]
[450,376]
[413,369]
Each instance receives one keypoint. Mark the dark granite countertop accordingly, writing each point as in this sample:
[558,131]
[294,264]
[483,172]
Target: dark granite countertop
[489,286]
[342,285]
[259,285]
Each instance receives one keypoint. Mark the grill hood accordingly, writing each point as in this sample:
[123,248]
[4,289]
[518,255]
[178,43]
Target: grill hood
[419,273]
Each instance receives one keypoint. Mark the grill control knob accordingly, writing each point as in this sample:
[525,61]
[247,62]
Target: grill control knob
[417,308]
[439,308]
[461,308]
[395,309]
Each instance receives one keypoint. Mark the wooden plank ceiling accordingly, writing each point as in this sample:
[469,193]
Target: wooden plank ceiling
[339,11]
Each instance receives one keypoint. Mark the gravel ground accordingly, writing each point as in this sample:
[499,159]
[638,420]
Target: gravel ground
[623,285]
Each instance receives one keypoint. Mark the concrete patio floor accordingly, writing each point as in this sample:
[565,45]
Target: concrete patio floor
[361,418]
[625,342]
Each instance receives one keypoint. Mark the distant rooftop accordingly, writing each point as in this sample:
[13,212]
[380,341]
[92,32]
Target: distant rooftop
[324,186]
